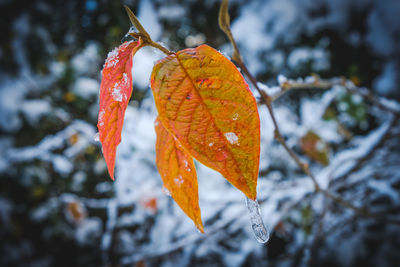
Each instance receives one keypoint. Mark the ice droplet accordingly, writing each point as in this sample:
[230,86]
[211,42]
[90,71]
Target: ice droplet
[260,232]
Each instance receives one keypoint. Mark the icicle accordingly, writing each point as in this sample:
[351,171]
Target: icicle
[127,36]
[261,233]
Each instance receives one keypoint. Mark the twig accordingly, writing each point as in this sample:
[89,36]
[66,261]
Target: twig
[267,100]
[178,245]
[290,85]
[319,83]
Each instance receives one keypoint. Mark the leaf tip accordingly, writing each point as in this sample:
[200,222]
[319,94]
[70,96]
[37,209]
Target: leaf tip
[200,227]
[135,22]
[224,18]
[110,168]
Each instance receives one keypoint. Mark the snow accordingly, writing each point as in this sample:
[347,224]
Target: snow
[302,55]
[118,91]
[11,93]
[112,212]
[383,31]
[88,231]
[5,211]
[346,160]
[44,149]
[387,82]
[171,12]
[62,165]
[86,87]
[143,63]
[281,79]
[84,63]
[147,16]
[178,180]
[112,58]
[232,138]
[33,110]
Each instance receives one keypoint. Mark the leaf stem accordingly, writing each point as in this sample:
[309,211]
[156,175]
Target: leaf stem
[143,33]
[161,48]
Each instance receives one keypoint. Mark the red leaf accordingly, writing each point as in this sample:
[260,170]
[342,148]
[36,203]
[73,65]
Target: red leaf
[115,92]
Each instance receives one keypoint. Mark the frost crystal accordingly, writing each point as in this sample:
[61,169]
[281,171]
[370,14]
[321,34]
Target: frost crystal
[178,180]
[232,138]
[101,114]
[116,93]
[187,166]
[112,59]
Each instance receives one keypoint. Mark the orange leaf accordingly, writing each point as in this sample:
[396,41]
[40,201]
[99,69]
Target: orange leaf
[115,92]
[178,173]
[204,101]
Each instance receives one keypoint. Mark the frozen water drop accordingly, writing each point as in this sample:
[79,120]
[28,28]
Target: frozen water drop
[260,232]
[96,137]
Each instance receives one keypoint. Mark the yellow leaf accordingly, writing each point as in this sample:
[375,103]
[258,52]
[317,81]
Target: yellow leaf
[178,173]
[204,101]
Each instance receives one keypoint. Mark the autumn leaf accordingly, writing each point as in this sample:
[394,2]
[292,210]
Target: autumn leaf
[204,101]
[178,173]
[76,212]
[115,92]
[315,148]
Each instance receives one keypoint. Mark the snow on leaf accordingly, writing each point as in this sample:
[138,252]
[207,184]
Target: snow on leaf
[232,138]
[115,92]
[204,101]
[173,164]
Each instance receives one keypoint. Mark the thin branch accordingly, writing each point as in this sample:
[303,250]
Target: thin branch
[178,245]
[322,84]
[266,99]
[291,85]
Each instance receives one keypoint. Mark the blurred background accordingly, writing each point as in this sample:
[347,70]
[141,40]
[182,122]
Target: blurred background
[58,206]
